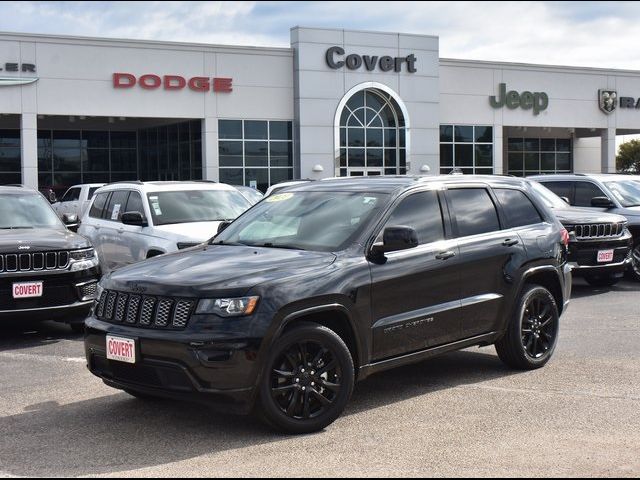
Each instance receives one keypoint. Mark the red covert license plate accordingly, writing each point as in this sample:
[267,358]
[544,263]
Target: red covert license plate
[27,290]
[605,256]
[121,349]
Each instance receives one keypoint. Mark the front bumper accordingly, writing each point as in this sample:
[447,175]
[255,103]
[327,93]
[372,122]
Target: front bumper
[182,365]
[583,256]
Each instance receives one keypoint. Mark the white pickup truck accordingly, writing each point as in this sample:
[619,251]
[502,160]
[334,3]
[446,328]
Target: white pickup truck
[76,200]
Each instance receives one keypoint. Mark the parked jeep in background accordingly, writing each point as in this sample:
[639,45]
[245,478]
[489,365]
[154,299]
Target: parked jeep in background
[328,282]
[618,194]
[76,200]
[46,271]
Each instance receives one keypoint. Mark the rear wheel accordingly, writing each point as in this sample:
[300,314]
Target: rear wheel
[605,280]
[308,380]
[532,333]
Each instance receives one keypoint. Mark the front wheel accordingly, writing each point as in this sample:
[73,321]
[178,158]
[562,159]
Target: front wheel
[634,269]
[308,380]
[532,333]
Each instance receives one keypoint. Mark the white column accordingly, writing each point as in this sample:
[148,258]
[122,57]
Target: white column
[29,149]
[210,161]
[498,149]
[608,150]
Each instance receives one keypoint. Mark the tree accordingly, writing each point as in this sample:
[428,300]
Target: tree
[628,159]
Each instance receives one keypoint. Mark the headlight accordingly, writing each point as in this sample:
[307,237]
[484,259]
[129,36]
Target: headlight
[79,255]
[82,259]
[228,307]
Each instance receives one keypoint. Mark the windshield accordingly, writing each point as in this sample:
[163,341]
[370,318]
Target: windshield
[26,211]
[319,221]
[626,191]
[189,206]
[550,199]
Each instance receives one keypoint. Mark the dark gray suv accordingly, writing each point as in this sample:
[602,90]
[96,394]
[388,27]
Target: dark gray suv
[619,194]
[328,282]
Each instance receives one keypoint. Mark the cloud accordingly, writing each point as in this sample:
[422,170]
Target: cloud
[595,34]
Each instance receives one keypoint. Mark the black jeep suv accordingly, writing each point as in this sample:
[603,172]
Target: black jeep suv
[329,282]
[46,271]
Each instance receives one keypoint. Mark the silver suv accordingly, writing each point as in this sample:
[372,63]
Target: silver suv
[132,221]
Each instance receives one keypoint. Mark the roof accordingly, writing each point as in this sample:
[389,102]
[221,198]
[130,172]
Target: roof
[389,184]
[168,186]
[602,177]
[15,190]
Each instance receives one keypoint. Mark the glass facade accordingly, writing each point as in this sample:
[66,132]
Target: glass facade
[467,148]
[10,163]
[372,136]
[532,156]
[255,153]
[171,152]
[69,157]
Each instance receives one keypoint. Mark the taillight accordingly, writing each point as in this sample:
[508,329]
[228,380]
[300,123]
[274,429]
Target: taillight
[565,237]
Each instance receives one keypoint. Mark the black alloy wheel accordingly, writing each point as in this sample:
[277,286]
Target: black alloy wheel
[309,380]
[634,268]
[532,333]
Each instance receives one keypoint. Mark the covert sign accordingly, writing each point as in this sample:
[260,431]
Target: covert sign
[538,101]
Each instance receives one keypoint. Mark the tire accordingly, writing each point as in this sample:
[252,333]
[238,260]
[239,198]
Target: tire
[523,345]
[77,327]
[633,271]
[308,380]
[606,280]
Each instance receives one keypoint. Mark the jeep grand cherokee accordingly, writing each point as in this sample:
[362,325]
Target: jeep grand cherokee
[330,282]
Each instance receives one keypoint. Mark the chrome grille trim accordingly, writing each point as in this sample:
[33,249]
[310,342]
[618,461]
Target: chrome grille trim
[144,311]
[600,230]
[34,262]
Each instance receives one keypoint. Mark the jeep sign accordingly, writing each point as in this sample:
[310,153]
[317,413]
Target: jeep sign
[538,101]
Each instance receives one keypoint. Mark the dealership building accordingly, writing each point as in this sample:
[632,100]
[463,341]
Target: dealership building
[336,103]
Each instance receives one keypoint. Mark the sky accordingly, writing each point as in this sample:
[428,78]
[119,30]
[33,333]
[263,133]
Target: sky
[590,34]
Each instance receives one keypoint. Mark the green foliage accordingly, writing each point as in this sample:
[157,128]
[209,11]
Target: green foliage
[628,159]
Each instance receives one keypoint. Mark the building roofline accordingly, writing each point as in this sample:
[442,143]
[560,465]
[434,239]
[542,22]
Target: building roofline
[536,66]
[378,32]
[129,42]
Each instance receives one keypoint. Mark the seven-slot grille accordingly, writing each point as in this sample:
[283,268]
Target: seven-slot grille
[599,230]
[143,310]
[33,262]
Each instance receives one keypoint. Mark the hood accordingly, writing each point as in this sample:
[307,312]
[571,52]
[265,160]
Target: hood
[190,232]
[632,214]
[215,270]
[576,216]
[40,240]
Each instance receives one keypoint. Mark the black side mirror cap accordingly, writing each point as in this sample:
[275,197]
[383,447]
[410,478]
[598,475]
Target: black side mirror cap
[69,219]
[394,239]
[135,219]
[602,202]
[222,226]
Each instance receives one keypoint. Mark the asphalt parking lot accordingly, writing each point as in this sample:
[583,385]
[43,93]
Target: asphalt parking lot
[463,414]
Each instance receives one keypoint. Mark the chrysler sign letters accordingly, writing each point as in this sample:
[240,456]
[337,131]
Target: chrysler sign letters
[172,82]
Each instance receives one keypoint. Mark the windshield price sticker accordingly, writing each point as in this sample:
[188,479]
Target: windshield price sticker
[155,204]
[279,197]
[116,211]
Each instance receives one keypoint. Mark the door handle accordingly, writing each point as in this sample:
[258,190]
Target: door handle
[510,242]
[445,255]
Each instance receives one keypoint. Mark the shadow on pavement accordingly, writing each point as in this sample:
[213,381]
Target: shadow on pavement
[117,432]
[17,335]
[582,289]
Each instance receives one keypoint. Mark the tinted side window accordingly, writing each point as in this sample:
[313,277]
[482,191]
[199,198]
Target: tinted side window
[585,191]
[71,195]
[116,206]
[561,189]
[474,211]
[517,208]
[135,203]
[420,211]
[92,190]
[98,205]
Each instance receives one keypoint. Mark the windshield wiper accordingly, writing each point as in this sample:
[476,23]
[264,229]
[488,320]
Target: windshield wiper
[231,244]
[271,245]
[15,228]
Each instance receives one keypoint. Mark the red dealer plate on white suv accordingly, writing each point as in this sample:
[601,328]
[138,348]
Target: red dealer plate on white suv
[27,290]
[121,349]
[605,256]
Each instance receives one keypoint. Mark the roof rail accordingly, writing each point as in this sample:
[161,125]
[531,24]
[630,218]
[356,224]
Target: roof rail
[203,181]
[134,182]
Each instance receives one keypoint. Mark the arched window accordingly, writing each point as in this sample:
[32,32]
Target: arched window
[372,136]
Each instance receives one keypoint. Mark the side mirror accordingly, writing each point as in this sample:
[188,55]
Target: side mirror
[394,239]
[222,226]
[52,197]
[134,218]
[69,219]
[602,202]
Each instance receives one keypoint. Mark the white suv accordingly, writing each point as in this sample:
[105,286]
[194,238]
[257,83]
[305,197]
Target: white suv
[76,200]
[132,221]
